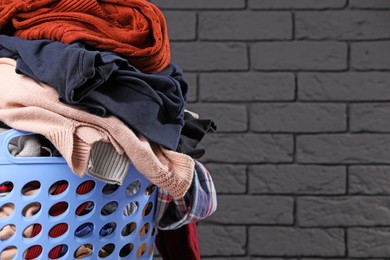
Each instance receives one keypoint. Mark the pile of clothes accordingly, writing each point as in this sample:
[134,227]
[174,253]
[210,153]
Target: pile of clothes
[94,78]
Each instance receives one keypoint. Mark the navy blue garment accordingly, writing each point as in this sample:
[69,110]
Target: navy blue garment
[192,133]
[105,83]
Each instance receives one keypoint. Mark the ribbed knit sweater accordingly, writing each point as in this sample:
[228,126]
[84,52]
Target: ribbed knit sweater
[32,106]
[134,29]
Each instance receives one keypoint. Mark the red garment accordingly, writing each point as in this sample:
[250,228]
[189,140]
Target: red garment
[134,29]
[179,244]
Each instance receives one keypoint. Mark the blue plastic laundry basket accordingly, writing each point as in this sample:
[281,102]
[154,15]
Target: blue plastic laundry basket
[128,232]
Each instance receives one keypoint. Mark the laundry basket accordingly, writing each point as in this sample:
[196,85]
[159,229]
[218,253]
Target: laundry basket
[111,221]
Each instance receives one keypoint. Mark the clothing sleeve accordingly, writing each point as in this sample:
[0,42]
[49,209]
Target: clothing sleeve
[198,203]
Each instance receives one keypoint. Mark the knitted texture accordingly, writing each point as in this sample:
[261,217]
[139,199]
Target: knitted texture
[106,164]
[134,29]
[32,106]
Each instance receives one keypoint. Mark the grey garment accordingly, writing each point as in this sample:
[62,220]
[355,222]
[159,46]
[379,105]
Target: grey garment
[106,164]
[24,146]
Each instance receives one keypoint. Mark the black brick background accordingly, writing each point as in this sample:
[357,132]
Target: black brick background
[300,91]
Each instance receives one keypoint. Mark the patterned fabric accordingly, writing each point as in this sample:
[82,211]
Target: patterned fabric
[199,202]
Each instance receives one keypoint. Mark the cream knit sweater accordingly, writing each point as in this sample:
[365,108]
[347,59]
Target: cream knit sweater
[32,106]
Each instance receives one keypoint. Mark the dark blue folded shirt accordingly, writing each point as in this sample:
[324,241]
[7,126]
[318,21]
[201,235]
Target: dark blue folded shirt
[105,83]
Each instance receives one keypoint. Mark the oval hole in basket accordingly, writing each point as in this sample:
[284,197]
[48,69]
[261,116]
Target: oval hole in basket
[147,209]
[126,250]
[130,208]
[58,208]
[83,251]
[85,208]
[85,187]
[133,188]
[109,208]
[109,188]
[31,209]
[149,190]
[32,230]
[32,252]
[144,230]
[31,188]
[84,230]
[107,229]
[7,231]
[153,230]
[58,187]
[6,188]
[7,210]
[58,252]
[151,250]
[106,250]
[10,252]
[58,230]
[128,229]
[141,250]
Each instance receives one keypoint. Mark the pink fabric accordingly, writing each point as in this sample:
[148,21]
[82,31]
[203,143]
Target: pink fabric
[32,106]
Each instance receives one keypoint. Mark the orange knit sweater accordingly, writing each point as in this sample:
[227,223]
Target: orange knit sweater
[135,29]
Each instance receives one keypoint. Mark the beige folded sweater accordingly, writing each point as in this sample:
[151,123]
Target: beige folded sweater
[32,106]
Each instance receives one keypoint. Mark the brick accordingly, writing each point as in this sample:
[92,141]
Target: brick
[228,179]
[222,240]
[181,25]
[192,81]
[370,117]
[296,4]
[228,117]
[372,4]
[298,117]
[246,86]
[288,241]
[297,179]
[342,25]
[370,55]
[348,86]
[248,148]
[369,180]
[373,242]
[199,4]
[236,25]
[240,209]
[299,56]
[343,211]
[208,56]
[343,148]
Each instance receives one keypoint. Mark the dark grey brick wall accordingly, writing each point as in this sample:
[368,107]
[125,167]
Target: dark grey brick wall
[300,91]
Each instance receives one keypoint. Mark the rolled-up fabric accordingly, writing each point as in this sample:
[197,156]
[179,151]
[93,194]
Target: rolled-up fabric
[134,29]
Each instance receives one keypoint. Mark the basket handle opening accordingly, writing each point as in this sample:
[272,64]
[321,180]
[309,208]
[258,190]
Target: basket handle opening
[7,158]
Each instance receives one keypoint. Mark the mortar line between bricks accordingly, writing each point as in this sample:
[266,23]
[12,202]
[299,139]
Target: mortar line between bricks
[347,180]
[295,87]
[293,27]
[247,180]
[295,211]
[196,27]
[197,88]
[348,56]
[347,108]
[246,240]
[248,57]
[346,241]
